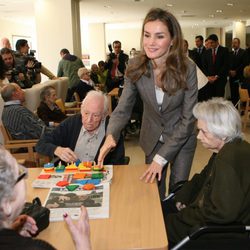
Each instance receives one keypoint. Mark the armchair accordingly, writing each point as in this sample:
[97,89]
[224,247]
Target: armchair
[16,146]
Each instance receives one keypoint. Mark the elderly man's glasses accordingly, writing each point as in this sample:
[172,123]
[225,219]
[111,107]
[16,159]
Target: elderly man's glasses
[22,173]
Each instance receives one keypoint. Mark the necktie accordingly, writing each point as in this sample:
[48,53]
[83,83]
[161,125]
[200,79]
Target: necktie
[214,55]
[235,52]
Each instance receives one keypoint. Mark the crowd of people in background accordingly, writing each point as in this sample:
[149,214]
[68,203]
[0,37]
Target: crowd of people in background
[220,65]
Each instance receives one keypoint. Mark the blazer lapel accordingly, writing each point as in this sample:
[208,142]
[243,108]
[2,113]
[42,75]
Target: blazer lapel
[166,100]
[149,89]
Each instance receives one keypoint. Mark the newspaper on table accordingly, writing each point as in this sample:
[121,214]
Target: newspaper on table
[69,177]
[60,201]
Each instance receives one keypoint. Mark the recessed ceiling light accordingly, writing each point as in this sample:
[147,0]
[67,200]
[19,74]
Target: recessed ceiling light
[107,6]
[169,5]
[211,16]
[219,11]
[230,4]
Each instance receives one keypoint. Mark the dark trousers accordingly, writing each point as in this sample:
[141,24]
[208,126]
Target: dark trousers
[234,88]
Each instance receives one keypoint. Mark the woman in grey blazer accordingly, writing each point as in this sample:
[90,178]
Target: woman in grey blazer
[166,81]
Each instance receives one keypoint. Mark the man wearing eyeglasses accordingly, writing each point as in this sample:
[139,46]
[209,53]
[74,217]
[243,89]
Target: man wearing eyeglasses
[84,85]
[81,136]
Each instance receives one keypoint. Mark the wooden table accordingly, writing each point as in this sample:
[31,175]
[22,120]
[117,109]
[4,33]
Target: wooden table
[113,92]
[135,221]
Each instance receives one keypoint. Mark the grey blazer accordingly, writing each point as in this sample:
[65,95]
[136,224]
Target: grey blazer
[175,122]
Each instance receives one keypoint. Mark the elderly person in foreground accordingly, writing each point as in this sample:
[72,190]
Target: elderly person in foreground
[220,193]
[81,136]
[16,230]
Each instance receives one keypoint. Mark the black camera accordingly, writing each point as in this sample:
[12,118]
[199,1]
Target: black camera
[110,48]
[12,75]
[22,60]
[31,57]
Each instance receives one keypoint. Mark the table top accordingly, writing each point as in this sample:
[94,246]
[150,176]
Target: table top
[135,220]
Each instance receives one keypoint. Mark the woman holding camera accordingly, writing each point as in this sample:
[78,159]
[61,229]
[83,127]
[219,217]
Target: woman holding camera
[15,230]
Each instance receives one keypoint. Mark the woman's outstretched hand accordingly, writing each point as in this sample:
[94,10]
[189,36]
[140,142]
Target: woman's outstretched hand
[106,147]
[150,174]
[80,231]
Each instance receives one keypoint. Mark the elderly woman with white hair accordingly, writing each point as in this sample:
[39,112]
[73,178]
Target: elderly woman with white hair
[15,230]
[220,193]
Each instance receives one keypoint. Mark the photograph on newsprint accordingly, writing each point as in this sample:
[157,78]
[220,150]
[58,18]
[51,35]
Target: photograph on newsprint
[60,201]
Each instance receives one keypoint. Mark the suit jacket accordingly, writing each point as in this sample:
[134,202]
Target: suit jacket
[237,63]
[221,65]
[219,194]
[198,57]
[175,122]
[122,58]
[82,88]
[66,135]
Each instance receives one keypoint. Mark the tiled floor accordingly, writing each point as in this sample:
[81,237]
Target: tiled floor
[134,151]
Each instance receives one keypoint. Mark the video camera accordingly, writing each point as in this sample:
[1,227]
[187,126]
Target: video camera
[31,57]
[111,55]
[13,76]
[22,60]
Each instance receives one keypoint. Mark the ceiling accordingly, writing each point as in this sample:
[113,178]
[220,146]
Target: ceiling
[202,13]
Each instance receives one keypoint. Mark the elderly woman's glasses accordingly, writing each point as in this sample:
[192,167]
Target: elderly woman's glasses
[22,173]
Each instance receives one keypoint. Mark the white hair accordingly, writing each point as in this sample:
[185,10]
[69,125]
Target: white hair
[7,180]
[94,93]
[81,71]
[221,117]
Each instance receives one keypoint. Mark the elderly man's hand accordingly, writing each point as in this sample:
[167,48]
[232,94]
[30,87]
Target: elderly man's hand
[66,154]
[106,147]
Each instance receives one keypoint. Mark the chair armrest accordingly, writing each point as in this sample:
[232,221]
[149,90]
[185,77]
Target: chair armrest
[72,109]
[177,186]
[197,231]
[19,145]
[22,141]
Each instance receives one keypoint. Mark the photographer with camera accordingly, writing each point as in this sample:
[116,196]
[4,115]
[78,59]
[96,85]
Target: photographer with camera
[12,72]
[116,66]
[27,60]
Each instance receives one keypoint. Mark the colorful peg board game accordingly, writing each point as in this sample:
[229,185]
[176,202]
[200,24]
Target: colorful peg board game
[81,175]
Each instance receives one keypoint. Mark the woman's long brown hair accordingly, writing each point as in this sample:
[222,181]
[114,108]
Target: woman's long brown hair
[174,71]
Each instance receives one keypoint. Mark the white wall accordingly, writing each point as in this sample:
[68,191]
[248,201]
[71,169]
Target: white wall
[10,28]
[128,34]
[54,31]
[97,42]
[189,33]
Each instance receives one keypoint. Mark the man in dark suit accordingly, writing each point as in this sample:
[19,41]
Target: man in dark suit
[215,65]
[199,50]
[236,69]
[116,66]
